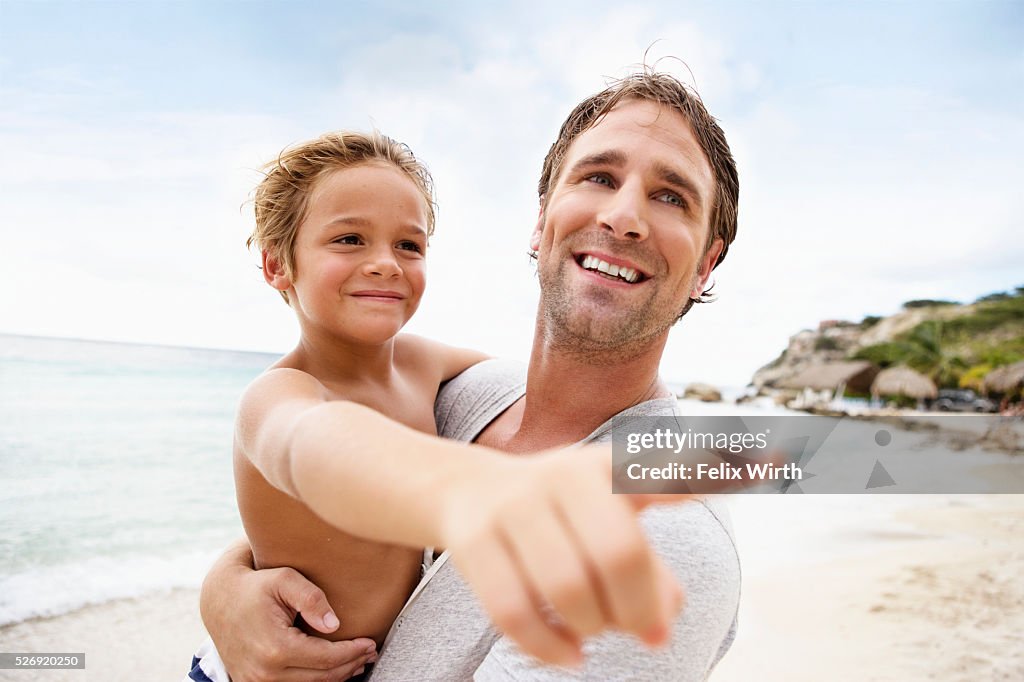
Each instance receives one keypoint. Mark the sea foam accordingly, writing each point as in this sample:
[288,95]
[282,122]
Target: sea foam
[58,589]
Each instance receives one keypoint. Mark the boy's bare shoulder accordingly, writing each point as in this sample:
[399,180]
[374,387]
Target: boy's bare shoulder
[287,376]
[279,384]
[413,346]
[432,356]
[418,352]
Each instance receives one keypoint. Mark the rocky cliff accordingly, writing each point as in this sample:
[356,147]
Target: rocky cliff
[951,342]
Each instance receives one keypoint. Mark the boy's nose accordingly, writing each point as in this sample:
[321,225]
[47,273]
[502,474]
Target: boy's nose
[383,265]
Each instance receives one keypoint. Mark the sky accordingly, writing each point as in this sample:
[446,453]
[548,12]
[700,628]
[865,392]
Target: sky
[879,148]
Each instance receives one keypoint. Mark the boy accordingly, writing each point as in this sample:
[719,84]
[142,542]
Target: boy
[342,223]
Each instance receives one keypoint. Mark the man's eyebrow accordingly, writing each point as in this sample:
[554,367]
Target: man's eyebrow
[687,186]
[611,157]
[615,157]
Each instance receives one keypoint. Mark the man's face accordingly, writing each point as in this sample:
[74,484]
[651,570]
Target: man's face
[621,237]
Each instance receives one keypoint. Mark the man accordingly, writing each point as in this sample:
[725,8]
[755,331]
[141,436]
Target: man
[638,202]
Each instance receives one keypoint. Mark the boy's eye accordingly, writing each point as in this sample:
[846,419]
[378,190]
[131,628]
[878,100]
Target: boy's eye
[410,246]
[350,239]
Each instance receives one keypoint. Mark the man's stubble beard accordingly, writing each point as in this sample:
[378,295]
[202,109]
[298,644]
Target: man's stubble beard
[599,339]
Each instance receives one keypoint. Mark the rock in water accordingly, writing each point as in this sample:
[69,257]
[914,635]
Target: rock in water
[705,392]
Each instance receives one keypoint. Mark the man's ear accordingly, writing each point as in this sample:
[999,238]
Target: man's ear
[274,272]
[538,229]
[707,264]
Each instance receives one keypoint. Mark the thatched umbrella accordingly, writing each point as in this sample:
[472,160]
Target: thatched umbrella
[1006,379]
[903,381]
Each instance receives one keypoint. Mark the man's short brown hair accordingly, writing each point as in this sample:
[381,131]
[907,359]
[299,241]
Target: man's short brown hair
[667,90]
[281,200]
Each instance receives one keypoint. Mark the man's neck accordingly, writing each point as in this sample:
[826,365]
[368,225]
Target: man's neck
[570,394]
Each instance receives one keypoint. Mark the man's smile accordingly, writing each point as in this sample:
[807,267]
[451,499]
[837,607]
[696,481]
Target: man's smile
[610,268]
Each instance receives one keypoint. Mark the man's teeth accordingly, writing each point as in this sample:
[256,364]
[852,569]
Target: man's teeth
[594,263]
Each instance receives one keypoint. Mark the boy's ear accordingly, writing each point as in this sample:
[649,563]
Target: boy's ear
[538,229]
[274,272]
[707,264]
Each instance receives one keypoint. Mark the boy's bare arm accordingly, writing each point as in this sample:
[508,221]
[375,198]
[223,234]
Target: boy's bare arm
[358,470]
[269,410]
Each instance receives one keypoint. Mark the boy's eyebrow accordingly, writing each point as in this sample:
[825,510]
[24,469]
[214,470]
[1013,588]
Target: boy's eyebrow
[357,221]
[348,220]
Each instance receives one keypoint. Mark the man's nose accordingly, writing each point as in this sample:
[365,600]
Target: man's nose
[382,263]
[624,213]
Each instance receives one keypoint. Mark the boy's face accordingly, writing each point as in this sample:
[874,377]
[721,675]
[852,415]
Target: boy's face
[359,255]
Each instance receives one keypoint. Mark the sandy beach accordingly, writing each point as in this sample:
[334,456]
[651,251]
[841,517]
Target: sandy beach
[150,638]
[924,587]
[931,590]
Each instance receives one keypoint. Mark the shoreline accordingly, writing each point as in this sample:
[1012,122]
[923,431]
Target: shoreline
[146,637]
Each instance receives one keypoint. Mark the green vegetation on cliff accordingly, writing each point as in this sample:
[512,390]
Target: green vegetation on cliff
[958,350]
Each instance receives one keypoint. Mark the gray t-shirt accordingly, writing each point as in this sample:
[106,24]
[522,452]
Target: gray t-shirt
[442,633]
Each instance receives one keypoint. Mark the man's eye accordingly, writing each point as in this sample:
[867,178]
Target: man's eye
[600,178]
[672,199]
[350,239]
[410,246]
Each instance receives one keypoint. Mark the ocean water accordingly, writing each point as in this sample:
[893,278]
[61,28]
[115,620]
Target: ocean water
[115,469]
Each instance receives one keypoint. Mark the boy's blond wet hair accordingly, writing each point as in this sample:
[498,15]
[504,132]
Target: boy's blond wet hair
[281,200]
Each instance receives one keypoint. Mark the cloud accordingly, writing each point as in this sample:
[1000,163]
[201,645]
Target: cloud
[483,117]
[854,198]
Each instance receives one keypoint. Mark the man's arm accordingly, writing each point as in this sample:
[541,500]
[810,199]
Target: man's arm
[250,616]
